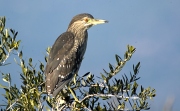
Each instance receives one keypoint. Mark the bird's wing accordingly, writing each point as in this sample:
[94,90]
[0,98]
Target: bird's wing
[60,63]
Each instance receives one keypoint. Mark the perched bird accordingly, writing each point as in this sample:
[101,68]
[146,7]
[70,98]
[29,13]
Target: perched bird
[67,53]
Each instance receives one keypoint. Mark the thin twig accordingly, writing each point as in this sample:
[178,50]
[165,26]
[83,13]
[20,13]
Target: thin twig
[107,95]
[12,105]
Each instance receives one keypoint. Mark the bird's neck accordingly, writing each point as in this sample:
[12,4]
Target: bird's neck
[79,33]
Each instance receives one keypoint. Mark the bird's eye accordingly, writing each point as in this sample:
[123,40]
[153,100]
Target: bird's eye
[86,19]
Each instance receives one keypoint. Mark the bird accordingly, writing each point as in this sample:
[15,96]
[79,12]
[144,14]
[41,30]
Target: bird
[67,53]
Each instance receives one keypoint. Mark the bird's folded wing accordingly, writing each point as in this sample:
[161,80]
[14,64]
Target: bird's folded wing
[60,62]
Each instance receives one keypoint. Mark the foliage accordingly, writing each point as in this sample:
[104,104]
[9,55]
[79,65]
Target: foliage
[8,41]
[83,93]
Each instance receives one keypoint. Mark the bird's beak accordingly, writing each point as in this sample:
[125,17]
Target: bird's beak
[98,21]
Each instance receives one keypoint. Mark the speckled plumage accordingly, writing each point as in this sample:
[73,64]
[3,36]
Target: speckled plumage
[66,54]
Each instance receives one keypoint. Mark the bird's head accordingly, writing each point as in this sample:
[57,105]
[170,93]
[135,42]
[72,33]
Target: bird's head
[85,21]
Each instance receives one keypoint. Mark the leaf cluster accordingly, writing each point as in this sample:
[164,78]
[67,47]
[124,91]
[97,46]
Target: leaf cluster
[8,41]
[118,94]
[31,94]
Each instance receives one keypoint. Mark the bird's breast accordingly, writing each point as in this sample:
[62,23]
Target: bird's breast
[81,45]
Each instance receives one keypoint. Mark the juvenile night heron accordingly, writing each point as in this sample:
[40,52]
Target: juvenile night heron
[67,53]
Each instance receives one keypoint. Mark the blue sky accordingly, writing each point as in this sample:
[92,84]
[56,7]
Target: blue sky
[152,26]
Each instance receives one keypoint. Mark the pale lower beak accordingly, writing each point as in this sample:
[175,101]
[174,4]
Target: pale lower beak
[98,21]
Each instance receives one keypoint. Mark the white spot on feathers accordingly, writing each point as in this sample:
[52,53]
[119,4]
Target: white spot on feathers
[61,76]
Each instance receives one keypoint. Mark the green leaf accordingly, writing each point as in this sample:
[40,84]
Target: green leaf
[1,86]
[20,55]
[86,74]
[83,82]
[48,102]
[126,55]
[117,58]
[6,78]
[6,33]
[48,50]
[41,67]
[30,60]
[46,58]
[105,72]
[136,68]
[103,77]
[14,38]
[111,68]
[47,108]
